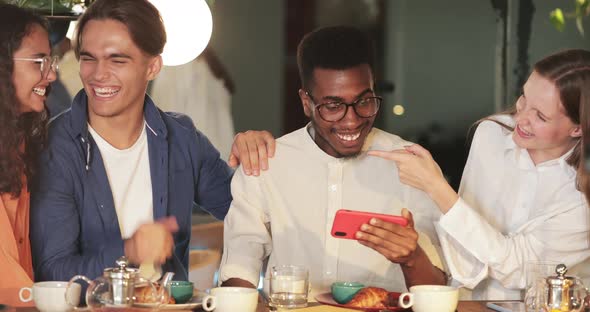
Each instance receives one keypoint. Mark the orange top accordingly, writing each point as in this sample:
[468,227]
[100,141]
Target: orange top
[16,265]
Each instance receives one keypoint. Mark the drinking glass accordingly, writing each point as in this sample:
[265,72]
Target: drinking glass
[289,286]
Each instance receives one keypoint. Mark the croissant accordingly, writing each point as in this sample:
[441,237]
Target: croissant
[370,297]
[145,295]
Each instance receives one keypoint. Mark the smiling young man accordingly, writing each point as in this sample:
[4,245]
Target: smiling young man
[119,177]
[285,216]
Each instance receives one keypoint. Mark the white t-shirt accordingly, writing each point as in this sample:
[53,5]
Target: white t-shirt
[512,212]
[128,171]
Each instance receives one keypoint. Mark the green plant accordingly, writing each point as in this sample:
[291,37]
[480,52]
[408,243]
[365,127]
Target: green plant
[582,9]
[55,6]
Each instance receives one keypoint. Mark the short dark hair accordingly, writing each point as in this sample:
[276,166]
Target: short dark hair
[17,128]
[140,16]
[335,47]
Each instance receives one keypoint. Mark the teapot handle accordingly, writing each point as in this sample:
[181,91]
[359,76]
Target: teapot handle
[73,280]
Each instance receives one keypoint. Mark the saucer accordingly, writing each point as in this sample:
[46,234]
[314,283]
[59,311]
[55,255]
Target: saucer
[195,302]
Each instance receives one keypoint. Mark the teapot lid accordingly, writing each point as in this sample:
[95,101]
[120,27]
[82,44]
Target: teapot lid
[560,279]
[121,271]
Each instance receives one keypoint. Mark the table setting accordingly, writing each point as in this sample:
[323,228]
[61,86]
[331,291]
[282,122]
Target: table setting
[549,289]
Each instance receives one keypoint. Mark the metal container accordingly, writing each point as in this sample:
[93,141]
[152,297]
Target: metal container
[564,293]
[122,279]
[116,286]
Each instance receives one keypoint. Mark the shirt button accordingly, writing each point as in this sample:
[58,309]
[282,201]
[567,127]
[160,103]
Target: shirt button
[20,241]
[333,187]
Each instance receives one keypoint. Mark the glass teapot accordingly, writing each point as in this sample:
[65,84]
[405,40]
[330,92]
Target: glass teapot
[116,286]
[563,293]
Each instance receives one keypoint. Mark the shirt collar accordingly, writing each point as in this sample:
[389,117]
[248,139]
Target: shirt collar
[561,162]
[151,113]
[524,161]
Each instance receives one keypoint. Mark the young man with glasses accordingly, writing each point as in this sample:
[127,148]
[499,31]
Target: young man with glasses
[285,216]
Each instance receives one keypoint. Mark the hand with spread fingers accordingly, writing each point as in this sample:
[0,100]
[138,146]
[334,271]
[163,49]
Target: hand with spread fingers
[399,244]
[418,169]
[395,242]
[252,149]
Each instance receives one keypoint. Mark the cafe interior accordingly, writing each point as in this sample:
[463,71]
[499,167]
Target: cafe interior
[441,66]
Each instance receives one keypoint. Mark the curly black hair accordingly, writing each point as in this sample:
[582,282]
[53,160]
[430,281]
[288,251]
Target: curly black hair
[22,135]
[334,47]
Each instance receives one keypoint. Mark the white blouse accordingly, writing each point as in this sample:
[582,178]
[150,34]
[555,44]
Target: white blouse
[511,212]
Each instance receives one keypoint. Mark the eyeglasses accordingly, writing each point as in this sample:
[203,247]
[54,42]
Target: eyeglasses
[335,111]
[46,63]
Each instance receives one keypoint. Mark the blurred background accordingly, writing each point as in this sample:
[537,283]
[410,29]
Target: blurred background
[441,65]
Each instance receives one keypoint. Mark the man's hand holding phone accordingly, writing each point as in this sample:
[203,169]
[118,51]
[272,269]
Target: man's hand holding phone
[395,238]
[395,242]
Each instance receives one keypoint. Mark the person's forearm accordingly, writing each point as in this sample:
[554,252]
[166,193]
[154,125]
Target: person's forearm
[420,271]
[443,195]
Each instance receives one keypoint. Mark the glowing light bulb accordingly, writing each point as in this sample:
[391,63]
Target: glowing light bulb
[398,110]
[188,29]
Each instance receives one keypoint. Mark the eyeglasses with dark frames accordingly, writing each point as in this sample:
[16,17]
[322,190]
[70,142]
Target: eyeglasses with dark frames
[336,110]
[46,64]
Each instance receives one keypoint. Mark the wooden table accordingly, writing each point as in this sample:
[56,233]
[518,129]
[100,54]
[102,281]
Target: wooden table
[472,306]
[464,306]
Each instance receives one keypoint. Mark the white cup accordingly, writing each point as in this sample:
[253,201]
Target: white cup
[427,298]
[231,299]
[51,296]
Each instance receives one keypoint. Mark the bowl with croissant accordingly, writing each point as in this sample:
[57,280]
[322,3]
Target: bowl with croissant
[366,299]
[146,298]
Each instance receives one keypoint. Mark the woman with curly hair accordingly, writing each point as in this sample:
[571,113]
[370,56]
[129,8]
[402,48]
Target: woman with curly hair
[26,70]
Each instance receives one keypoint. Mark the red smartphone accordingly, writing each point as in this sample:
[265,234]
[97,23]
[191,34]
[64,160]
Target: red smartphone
[348,222]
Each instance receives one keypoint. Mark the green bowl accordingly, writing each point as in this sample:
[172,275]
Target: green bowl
[182,291]
[343,292]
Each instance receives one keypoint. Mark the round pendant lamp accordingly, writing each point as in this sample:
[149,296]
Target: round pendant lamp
[188,29]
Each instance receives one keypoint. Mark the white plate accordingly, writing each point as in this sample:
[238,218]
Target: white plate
[196,302]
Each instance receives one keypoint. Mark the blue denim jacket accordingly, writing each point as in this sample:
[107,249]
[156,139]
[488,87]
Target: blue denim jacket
[74,227]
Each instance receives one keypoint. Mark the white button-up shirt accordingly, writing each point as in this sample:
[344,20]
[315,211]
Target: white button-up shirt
[511,212]
[287,212]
